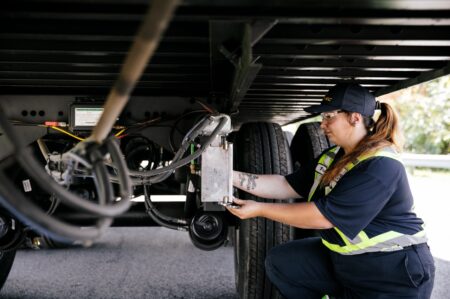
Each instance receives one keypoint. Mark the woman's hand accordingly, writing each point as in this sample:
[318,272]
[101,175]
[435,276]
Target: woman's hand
[247,208]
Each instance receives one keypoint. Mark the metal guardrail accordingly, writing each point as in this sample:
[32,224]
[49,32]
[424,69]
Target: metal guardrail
[432,161]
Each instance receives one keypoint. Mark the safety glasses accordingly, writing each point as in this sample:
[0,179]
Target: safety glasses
[328,116]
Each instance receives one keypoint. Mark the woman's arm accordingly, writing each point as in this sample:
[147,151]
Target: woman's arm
[264,185]
[302,215]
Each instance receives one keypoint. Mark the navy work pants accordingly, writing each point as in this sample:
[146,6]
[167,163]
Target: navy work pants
[307,269]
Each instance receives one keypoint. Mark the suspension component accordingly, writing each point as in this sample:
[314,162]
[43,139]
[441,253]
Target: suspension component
[208,230]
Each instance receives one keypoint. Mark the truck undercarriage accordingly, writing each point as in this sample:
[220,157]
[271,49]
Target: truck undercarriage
[91,135]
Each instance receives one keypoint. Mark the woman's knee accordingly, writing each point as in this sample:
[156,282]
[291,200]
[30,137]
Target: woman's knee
[300,261]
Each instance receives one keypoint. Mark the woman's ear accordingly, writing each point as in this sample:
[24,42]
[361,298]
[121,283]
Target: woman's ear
[355,118]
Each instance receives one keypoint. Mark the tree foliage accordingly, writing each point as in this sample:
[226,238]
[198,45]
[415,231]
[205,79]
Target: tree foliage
[424,112]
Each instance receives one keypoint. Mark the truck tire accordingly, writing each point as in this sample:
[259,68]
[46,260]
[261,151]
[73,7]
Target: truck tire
[308,143]
[6,262]
[261,148]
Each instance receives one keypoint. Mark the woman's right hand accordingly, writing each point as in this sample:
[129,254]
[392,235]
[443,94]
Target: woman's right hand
[247,208]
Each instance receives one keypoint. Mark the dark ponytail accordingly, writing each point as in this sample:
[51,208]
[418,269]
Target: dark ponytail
[382,132]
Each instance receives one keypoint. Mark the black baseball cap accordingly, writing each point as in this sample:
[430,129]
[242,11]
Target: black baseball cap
[350,97]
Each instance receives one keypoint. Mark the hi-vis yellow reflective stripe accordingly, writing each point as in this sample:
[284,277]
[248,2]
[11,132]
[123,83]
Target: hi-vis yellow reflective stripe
[328,158]
[387,152]
[323,164]
[388,241]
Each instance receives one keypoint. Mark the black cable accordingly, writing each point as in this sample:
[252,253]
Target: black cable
[175,126]
[105,192]
[124,176]
[184,161]
[190,136]
[151,212]
[30,214]
[158,213]
[165,224]
[35,170]
[158,175]
[195,155]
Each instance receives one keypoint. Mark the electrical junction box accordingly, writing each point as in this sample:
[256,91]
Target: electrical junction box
[217,167]
[217,175]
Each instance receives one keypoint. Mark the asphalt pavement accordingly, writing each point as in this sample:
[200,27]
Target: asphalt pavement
[125,263]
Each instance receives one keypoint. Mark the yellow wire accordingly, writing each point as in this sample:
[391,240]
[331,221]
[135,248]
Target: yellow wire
[120,132]
[67,133]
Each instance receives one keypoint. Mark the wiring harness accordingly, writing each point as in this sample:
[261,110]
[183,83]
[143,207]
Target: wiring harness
[106,208]
[91,157]
[160,174]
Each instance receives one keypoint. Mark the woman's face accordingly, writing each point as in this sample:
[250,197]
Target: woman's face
[337,127]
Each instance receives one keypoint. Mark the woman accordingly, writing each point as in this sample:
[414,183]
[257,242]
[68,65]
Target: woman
[371,244]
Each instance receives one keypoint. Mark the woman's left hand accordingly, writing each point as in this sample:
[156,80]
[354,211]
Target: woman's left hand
[247,208]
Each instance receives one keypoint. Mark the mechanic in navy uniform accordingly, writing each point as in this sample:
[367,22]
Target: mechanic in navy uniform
[371,244]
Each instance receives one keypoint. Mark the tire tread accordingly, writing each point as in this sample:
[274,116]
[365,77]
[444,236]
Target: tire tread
[261,148]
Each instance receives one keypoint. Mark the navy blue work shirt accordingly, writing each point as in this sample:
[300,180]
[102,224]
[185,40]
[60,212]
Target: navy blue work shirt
[374,196]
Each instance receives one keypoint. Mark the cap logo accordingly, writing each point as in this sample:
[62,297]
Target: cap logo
[327,99]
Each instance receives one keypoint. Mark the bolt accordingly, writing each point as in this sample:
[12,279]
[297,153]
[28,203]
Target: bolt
[36,242]
[224,143]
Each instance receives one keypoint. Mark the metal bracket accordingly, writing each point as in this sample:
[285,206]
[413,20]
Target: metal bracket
[232,43]
[246,67]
